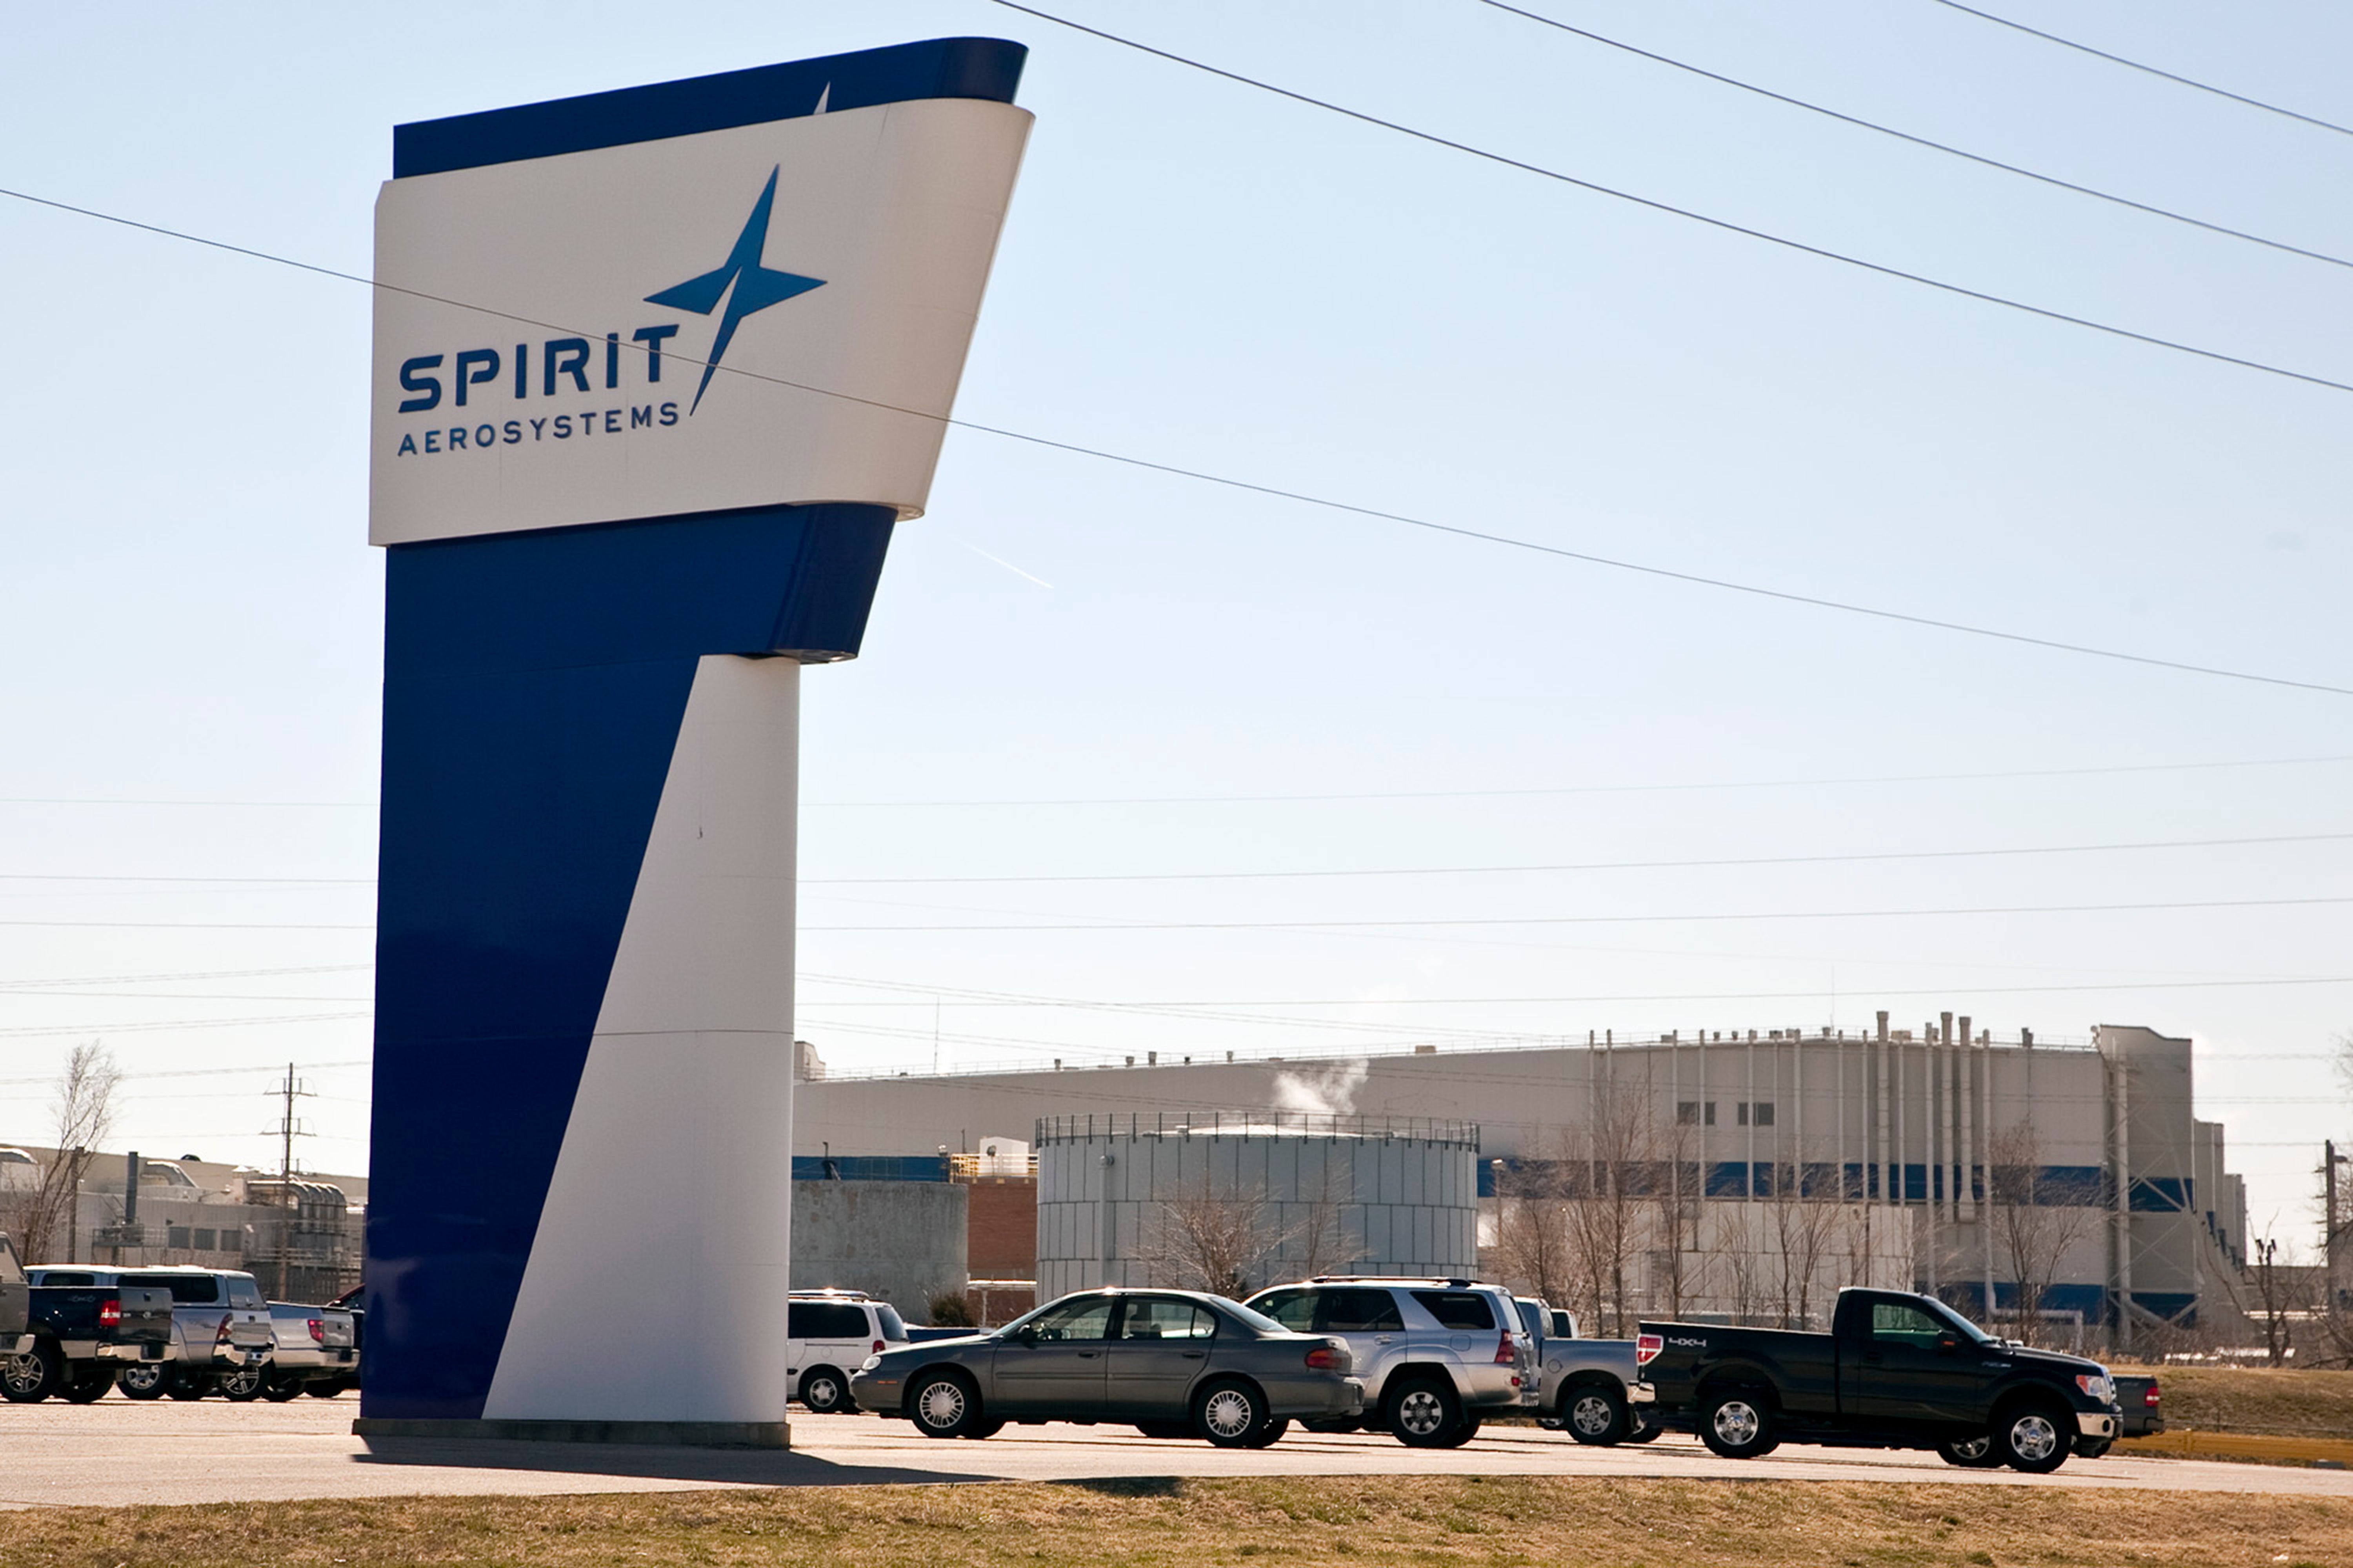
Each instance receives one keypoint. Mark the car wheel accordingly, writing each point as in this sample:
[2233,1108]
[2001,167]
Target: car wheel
[32,1378]
[90,1385]
[2033,1439]
[1736,1426]
[824,1391]
[1970,1453]
[245,1384]
[1464,1430]
[1422,1412]
[281,1388]
[1594,1413]
[943,1404]
[1165,1430]
[1229,1412]
[1645,1433]
[144,1380]
[1271,1433]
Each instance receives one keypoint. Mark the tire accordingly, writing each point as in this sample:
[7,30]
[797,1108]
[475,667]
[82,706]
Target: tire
[2033,1439]
[90,1385]
[1594,1413]
[1422,1412]
[1229,1412]
[188,1385]
[987,1428]
[943,1404]
[1464,1430]
[2093,1447]
[1970,1453]
[825,1391]
[1643,1434]
[32,1378]
[283,1387]
[244,1385]
[1269,1434]
[144,1380]
[1166,1431]
[331,1387]
[1737,1424]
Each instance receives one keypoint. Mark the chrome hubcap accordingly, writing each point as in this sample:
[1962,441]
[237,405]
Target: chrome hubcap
[1422,1411]
[1591,1414]
[1736,1422]
[23,1373]
[1974,1448]
[941,1406]
[820,1394]
[2033,1438]
[1229,1412]
[141,1376]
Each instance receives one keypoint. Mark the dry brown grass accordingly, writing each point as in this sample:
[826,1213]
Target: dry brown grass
[2280,1402]
[1556,1523]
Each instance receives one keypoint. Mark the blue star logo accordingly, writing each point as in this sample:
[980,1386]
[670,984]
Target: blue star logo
[756,286]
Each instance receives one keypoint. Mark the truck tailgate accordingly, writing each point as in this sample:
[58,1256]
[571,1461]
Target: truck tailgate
[146,1315]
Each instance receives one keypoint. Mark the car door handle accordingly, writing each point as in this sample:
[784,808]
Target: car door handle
[1196,1355]
[1089,1355]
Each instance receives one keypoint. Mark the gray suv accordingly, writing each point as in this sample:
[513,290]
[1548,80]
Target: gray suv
[1437,1356]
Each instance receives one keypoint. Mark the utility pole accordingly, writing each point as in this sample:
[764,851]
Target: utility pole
[288,1129]
[2334,1222]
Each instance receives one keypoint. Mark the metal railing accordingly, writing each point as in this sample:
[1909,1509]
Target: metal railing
[1254,1124]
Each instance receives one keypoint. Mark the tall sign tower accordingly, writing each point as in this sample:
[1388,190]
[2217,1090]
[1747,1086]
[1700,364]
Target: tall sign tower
[656,371]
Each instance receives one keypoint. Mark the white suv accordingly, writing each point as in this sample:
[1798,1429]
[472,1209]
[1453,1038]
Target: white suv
[1436,1355]
[828,1332]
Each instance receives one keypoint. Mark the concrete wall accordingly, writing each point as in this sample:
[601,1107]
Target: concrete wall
[901,1241]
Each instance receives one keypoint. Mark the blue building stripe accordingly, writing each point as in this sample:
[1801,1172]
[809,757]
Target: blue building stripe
[987,68]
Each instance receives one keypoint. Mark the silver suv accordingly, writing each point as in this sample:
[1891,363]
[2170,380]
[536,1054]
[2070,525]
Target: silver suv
[1436,1355]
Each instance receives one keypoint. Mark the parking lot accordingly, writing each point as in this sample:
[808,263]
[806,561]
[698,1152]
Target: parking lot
[116,1453]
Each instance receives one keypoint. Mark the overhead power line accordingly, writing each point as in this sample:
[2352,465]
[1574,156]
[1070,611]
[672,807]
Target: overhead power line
[1540,171]
[1590,865]
[1935,146]
[2145,69]
[1352,509]
[1108,924]
[1660,787]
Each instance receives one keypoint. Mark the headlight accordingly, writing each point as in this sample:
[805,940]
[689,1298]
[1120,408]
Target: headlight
[871,1364]
[2098,1385]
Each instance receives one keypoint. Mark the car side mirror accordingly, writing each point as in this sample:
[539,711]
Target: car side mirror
[1027,1334]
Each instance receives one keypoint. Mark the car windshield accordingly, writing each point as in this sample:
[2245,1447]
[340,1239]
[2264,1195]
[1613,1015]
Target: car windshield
[1975,1334]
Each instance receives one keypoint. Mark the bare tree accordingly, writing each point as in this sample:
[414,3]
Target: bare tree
[1213,1240]
[2034,1225]
[1801,1227]
[1319,1240]
[2276,1291]
[1532,1233]
[1676,1196]
[1611,1188]
[1742,1270]
[39,1216]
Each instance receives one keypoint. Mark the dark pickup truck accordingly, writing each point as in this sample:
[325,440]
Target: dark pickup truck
[1896,1371]
[82,1334]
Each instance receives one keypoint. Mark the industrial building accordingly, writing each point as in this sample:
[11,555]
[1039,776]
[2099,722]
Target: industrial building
[2068,1180]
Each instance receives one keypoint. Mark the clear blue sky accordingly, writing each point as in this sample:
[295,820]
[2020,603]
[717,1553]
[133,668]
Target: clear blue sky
[1199,274]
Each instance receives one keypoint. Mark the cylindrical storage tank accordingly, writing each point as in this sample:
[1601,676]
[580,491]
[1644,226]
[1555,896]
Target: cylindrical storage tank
[1233,1203]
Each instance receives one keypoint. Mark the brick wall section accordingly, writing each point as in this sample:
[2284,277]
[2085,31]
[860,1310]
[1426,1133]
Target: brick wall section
[1001,1228]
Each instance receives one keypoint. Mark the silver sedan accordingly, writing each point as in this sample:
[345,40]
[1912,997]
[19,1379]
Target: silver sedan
[1173,1362]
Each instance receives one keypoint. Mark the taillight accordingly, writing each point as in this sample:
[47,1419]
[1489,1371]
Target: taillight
[2150,1397]
[221,1334]
[1647,1348]
[878,1347]
[1323,1358]
[318,1332]
[1507,1353]
[109,1313]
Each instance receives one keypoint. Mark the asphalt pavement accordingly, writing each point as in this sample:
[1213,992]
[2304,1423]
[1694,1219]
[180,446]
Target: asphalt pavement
[118,1452]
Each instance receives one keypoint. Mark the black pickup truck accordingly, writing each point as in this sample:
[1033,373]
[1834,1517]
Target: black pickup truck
[83,1334]
[1896,1371]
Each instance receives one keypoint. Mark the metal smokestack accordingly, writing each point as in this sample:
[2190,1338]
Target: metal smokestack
[130,1188]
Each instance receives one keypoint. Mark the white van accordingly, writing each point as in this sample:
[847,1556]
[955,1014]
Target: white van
[830,1333]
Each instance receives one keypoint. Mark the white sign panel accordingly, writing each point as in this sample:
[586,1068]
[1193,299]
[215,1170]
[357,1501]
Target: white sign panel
[761,316]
